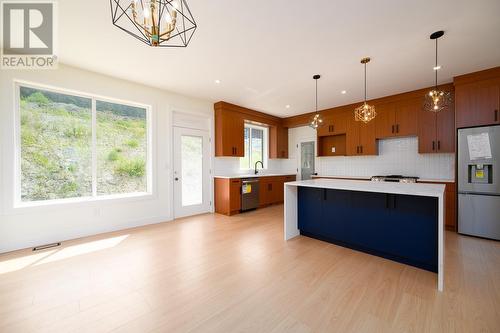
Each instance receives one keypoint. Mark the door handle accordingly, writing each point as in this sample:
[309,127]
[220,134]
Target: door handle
[361,149]
[433,145]
[439,145]
[333,128]
[357,149]
[496,115]
[397,128]
[176,178]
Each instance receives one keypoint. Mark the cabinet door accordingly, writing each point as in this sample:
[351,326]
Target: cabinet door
[264,191]
[352,138]
[235,195]
[237,125]
[279,189]
[368,221]
[426,131]
[337,210]
[229,127]
[385,121]
[477,104]
[406,117]
[310,210]
[412,230]
[282,142]
[445,130]
[326,128]
[367,141]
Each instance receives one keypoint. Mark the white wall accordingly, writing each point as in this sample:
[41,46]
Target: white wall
[396,156]
[26,227]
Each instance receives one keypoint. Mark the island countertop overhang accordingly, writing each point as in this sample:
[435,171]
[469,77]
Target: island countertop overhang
[428,190]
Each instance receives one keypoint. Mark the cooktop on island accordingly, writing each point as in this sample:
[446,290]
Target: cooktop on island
[395,178]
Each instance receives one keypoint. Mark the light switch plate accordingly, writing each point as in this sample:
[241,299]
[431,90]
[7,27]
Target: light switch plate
[333,149]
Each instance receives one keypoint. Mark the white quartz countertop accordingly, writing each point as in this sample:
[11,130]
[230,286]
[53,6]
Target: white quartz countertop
[428,180]
[255,175]
[428,190]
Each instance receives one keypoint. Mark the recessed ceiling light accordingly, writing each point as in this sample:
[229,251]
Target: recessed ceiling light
[343,92]
[217,81]
[436,67]
[287,106]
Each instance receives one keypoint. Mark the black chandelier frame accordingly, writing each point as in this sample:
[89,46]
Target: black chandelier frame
[184,30]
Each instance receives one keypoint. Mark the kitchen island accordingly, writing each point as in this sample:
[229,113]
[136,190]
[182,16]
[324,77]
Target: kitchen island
[397,221]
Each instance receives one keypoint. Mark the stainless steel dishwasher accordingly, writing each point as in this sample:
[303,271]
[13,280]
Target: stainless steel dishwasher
[249,193]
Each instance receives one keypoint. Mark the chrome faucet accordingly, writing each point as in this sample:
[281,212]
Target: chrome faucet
[262,164]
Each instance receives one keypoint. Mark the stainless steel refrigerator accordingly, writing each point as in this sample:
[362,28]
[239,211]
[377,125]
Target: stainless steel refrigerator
[479,181]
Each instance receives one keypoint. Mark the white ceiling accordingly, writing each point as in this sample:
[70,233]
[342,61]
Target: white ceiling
[265,52]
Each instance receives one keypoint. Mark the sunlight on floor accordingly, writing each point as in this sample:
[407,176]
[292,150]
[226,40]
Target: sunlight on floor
[59,254]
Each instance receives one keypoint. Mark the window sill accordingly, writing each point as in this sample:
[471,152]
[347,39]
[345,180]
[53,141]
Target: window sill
[23,207]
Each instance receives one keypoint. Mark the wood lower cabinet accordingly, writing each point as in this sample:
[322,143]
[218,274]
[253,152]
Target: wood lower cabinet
[360,138]
[478,103]
[228,192]
[436,131]
[227,195]
[278,142]
[229,134]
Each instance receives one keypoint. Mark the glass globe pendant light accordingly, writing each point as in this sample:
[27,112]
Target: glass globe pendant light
[365,112]
[436,100]
[316,121]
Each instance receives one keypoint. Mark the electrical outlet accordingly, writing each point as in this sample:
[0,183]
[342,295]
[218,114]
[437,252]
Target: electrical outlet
[333,149]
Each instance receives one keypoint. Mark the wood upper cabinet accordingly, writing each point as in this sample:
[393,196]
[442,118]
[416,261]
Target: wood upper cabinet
[436,131]
[477,103]
[385,121]
[397,118]
[229,134]
[360,139]
[406,117]
[278,142]
[334,124]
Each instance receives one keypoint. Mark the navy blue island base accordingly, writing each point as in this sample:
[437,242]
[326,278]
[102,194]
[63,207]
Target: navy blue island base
[399,227]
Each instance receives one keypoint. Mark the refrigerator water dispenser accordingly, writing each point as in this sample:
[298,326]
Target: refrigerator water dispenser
[480,174]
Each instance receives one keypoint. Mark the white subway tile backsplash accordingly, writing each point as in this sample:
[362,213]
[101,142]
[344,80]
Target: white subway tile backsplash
[396,156]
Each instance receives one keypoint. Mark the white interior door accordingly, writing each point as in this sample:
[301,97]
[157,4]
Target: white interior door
[306,153]
[191,172]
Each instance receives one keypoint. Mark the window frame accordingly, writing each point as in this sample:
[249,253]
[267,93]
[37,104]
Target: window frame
[18,203]
[265,145]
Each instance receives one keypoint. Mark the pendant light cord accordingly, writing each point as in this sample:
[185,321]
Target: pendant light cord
[316,95]
[435,68]
[365,82]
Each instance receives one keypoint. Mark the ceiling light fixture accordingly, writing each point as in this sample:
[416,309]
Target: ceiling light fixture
[343,92]
[217,81]
[316,121]
[365,112]
[436,100]
[287,106]
[158,23]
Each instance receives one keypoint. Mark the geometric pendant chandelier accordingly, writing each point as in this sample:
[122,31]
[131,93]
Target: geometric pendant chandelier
[158,23]
[365,112]
[437,100]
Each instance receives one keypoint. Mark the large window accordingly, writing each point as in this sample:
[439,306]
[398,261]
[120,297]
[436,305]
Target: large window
[255,146]
[80,146]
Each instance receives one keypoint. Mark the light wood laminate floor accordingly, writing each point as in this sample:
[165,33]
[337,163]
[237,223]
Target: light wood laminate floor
[213,273]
